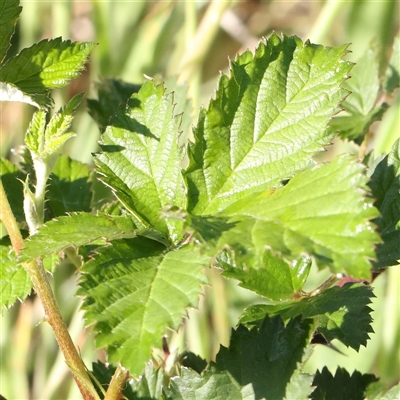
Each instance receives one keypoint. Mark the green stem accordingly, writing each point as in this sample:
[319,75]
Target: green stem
[325,21]
[326,285]
[114,391]
[42,287]
[200,44]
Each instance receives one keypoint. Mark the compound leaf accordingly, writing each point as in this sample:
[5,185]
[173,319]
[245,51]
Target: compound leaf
[385,185]
[267,121]
[141,161]
[339,313]
[324,212]
[9,13]
[76,230]
[134,291]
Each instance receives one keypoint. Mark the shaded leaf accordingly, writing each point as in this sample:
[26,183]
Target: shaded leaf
[76,230]
[267,121]
[339,313]
[9,13]
[324,212]
[341,385]
[69,187]
[385,186]
[141,161]
[392,78]
[112,95]
[258,364]
[134,291]
[10,176]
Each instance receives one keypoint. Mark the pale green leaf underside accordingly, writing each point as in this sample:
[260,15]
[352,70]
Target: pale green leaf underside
[9,12]
[267,121]
[323,212]
[48,64]
[14,281]
[134,291]
[141,161]
[215,385]
[9,92]
[76,230]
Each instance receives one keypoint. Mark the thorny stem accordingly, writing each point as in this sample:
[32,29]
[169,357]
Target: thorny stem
[52,312]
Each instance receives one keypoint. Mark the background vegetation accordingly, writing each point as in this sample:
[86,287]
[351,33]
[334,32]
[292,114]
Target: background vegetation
[190,41]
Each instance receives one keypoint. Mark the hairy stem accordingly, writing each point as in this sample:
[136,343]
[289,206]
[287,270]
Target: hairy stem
[52,312]
[8,219]
[117,383]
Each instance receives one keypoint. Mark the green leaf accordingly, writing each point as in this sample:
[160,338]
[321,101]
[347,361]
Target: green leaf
[48,64]
[361,108]
[212,385]
[342,385]
[258,364]
[10,177]
[141,160]
[299,387]
[277,279]
[385,186]
[149,385]
[392,78]
[134,291]
[339,313]
[9,13]
[15,283]
[76,230]
[267,121]
[112,95]
[207,230]
[379,391]
[45,141]
[323,212]
[69,188]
